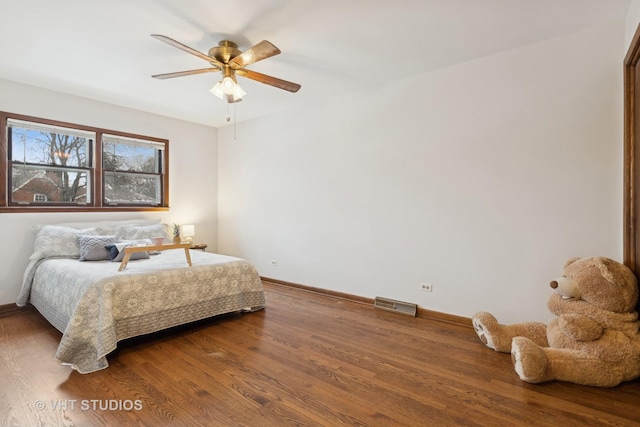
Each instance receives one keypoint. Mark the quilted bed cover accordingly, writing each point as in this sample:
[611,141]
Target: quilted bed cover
[95,306]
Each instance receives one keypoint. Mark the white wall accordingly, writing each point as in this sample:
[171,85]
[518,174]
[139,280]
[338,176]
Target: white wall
[481,179]
[192,169]
[632,19]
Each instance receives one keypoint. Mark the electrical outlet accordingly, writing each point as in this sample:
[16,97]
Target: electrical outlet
[425,287]
[274,263]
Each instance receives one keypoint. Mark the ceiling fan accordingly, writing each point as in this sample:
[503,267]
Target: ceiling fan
[230,61]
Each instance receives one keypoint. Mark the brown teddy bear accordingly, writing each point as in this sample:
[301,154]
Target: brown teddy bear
[594,339]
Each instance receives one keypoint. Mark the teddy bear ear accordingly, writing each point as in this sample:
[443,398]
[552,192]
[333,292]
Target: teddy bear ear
[601,263]
[571,261]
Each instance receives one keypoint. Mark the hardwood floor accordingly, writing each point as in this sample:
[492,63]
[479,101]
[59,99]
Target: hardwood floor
[306,360]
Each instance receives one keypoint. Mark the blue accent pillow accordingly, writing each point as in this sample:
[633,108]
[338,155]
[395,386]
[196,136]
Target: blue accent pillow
[112,250]
[116,252]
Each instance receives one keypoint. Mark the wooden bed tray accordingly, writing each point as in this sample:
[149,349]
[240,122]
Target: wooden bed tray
[131,249]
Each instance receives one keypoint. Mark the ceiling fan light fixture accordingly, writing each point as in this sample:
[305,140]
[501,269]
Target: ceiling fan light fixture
[217,90]
[228,85]
[238,93]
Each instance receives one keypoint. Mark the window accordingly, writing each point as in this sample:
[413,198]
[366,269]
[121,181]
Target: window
[49,160]
[59,166]
[132,170]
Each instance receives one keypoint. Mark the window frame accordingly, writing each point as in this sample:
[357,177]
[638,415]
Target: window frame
[96,171]
[157,174]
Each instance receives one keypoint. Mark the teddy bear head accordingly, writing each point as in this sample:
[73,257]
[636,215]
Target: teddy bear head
[599,281]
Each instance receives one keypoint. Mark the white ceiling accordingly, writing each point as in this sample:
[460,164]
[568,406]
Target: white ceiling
[102,49]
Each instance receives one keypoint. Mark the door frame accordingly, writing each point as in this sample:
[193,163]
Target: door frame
[631,148]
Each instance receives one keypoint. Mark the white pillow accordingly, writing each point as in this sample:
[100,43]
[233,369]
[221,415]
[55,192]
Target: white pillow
[117,227]
[56,240]
[104,227]
[137,232]
[93,248]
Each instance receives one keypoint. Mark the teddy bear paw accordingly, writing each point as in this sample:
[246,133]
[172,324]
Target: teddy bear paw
[529,360]
[483,323]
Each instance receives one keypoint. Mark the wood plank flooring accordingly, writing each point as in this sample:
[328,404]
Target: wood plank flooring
[306,360]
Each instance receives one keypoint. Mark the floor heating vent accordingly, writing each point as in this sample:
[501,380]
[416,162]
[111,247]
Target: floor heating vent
[400,307]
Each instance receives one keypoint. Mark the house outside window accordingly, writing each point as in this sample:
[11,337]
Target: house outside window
[60,166]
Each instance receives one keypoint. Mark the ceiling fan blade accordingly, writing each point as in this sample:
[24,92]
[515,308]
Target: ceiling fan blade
[258,52]
[263,78]
[185,73]
[186,48]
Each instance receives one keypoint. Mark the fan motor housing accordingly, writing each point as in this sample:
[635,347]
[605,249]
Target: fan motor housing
[225,51]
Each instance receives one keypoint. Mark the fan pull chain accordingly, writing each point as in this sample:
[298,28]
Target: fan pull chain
[228,118]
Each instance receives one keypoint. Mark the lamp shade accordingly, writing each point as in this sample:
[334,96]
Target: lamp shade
[238,93]
[228,85]
[188,230]
[217,90]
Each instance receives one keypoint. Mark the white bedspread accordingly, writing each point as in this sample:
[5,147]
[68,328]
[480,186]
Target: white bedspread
[95,306]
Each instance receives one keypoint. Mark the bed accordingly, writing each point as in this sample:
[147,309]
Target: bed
[94,305]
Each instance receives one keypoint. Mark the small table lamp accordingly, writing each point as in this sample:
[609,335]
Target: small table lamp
[188,231]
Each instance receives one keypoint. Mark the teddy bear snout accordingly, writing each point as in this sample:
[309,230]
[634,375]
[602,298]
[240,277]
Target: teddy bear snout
[566,288]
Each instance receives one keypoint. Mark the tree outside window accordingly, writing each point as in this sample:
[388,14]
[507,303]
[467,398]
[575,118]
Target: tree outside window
[52,164]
